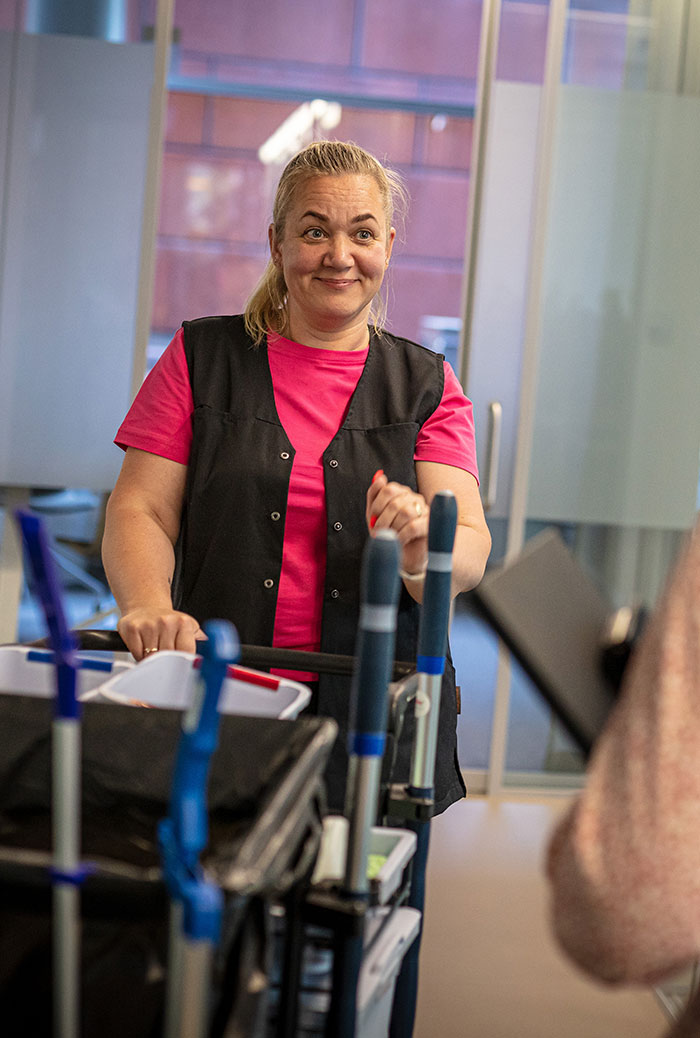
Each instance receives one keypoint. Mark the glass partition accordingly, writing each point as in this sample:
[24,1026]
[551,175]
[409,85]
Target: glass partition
[616,433]
[77,119]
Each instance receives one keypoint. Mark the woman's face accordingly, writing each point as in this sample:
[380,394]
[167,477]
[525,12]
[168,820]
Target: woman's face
[333,252]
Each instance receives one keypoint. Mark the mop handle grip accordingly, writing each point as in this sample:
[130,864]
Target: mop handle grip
[46,586]
[376,637]
[200,728]
[435,611]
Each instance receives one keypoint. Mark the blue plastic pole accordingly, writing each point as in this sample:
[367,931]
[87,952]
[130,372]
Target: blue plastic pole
[196,903]
[376,638]
[432,647]
[67,872]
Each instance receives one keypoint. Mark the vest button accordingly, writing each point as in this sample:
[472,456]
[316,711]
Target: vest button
[284,455]
[269,583]
[335,593]
[337,526]
[275,516]
[333,463]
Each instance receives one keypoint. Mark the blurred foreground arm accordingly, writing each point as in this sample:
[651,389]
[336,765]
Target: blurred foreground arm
[623,864]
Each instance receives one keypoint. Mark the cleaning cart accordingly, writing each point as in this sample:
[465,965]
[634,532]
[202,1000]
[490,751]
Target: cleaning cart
[264,805]
[348,934]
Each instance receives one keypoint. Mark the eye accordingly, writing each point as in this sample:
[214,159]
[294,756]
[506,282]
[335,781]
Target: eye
[313,233]
[364,234]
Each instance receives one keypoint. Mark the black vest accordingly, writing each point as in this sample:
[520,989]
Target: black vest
[229,552]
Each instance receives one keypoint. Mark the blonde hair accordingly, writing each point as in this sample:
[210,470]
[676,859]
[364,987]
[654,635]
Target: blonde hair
[267,306]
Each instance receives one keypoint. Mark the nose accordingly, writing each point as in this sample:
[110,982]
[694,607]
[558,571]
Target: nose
[338,252]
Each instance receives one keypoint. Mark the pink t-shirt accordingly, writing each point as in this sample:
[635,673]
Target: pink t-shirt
[160,422]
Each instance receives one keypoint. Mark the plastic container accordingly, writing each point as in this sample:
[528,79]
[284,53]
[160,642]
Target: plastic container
[375,990]
[31,672]
[168,679]
[396,845]
[390,933]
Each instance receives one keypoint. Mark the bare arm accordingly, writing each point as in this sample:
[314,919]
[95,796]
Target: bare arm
[622,864]
[395,507]
[141,528]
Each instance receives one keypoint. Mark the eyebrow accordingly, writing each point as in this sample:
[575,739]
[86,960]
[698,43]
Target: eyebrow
[362,218]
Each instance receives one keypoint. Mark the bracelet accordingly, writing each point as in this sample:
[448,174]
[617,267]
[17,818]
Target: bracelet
[420,575]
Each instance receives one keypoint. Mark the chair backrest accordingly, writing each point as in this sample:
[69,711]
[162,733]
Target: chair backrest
[553,619]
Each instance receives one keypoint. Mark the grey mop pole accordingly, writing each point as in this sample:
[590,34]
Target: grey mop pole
[369,704]
[196,902]
[67,873]
[432,646]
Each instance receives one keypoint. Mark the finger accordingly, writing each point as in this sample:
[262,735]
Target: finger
[131,637]
[400,507]
[186,640]
[382,501]
[379,481]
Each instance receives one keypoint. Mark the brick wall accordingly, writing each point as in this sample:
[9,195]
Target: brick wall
[216,196]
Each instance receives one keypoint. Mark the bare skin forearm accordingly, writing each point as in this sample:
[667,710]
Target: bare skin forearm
[471,551]
[141,528]
[139,559]
[394,506]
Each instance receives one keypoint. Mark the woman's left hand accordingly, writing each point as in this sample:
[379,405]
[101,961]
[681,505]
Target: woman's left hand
[393,506]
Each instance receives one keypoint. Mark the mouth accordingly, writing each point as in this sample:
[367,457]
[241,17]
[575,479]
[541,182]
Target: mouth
[337,283]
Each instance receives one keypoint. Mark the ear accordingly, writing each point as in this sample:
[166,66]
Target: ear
[390,245]
[275,253]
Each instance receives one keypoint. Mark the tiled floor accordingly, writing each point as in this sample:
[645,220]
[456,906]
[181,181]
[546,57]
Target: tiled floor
[489,967]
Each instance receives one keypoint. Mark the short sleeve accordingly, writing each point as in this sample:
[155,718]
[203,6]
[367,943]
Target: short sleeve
[447,436]
[160,419]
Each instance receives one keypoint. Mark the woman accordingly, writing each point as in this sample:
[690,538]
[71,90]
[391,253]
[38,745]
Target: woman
[262,450]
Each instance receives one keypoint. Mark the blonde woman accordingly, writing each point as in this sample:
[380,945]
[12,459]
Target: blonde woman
[264,448]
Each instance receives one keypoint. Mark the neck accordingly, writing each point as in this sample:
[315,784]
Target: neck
[352,337]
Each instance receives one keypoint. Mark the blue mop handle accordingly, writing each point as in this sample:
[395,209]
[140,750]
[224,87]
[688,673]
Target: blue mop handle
[376,637]
[46,585]
[435,612]
[374,660]
[200,729]
[432,639]
[375,644]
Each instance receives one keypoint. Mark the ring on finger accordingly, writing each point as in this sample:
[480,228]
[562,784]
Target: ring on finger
[419,508]
[146,651]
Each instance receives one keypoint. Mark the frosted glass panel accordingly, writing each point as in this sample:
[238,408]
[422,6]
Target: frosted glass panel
[5,86]
[501,279]
[68,285]
[617,432]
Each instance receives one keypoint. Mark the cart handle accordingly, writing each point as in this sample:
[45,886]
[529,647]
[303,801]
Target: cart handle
[251,655]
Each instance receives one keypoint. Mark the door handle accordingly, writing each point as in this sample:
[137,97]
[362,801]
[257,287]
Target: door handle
[493,454]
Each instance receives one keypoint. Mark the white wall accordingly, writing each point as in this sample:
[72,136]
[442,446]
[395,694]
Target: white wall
[68,287]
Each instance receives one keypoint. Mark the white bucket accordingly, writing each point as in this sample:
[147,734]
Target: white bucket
[168,678]
[31,672]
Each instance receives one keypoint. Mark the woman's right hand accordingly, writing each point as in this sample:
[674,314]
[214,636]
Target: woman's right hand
[146,630]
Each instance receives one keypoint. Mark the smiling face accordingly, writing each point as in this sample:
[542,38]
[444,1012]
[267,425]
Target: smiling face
[333,251]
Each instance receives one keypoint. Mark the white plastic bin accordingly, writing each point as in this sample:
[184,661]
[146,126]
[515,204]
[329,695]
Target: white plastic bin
[396,845]
[168,679]
[380,968]
[390,933]
[31,672]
